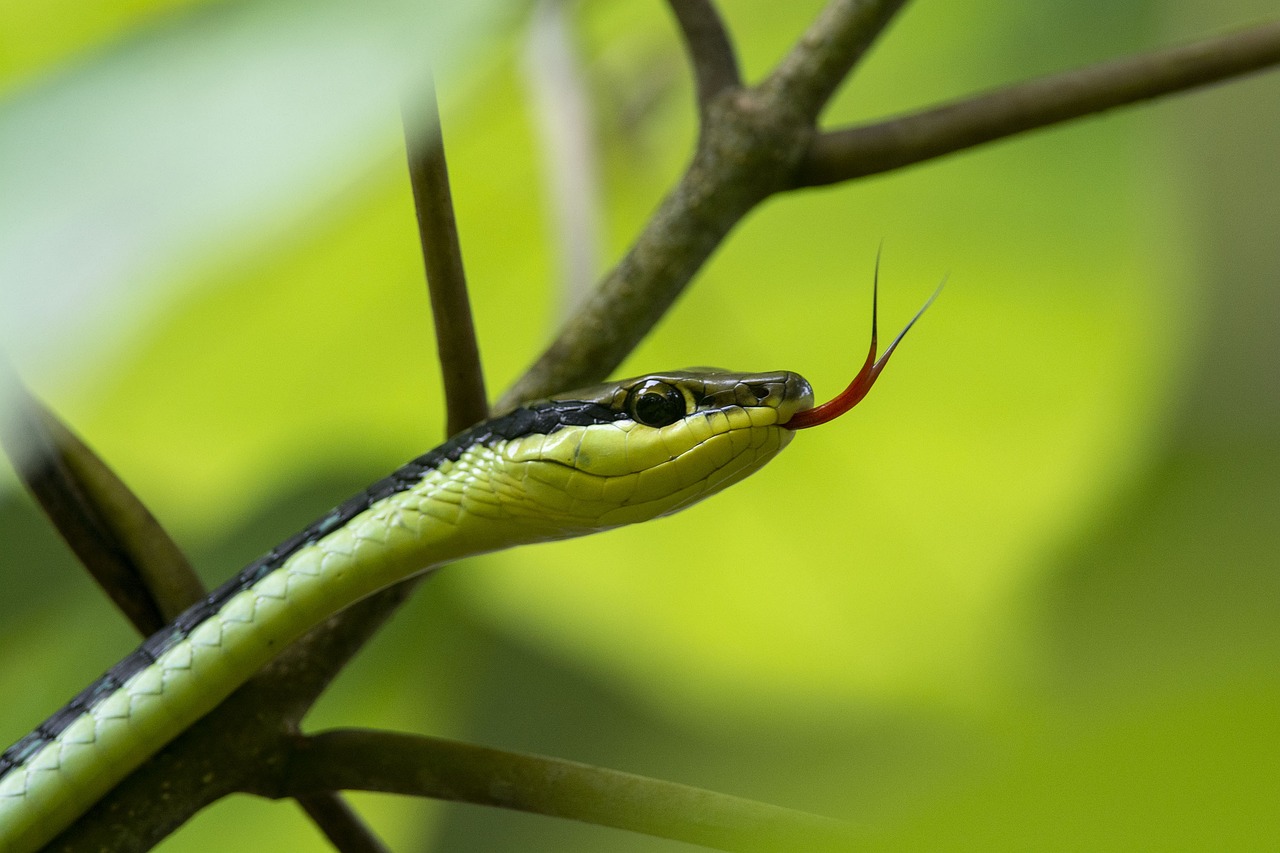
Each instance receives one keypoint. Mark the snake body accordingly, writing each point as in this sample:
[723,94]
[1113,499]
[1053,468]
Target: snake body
[580,462]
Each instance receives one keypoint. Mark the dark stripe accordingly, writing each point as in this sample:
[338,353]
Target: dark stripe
[541,418]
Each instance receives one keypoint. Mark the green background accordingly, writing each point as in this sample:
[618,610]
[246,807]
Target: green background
[1025,598]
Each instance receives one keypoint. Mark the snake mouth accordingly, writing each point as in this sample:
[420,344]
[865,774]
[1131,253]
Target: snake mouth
[795,397]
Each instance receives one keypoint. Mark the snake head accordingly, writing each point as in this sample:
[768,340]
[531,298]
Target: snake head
[642,447]
[650,445]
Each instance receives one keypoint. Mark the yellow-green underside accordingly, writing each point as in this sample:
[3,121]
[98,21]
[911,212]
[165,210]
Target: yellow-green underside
[514,492]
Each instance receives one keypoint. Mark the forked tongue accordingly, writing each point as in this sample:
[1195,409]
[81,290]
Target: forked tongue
[867,376]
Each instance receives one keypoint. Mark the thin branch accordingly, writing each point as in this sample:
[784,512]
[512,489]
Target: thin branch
[751,144]
[562,112]
[715,65]
[448,770]
[107,527]
[854,152]
[741,160]
[306,669]
[340,824]
[464,390]
[835,42]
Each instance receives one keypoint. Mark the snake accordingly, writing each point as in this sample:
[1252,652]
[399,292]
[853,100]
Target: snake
[572,464]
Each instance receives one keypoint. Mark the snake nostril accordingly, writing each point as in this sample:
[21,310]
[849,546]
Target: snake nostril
[761,391]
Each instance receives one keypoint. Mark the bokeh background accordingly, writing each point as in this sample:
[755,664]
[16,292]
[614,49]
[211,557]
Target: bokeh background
[1025,598]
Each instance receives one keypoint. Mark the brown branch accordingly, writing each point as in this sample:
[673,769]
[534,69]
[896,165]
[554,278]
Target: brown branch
[830,48]
[111,532]
[465,396]
[448,770]
[750,146]
[854,152]
[711,53]
[731,173]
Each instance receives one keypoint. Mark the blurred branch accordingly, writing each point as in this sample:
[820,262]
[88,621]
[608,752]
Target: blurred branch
[711,53]
[562,114]
[464,391]
[340,824]
[109,530]
[854,152]
[448,770]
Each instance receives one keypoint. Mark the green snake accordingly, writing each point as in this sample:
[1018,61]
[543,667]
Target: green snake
[576,463]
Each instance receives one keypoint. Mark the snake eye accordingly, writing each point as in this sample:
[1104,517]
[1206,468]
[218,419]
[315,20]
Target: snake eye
[655,404]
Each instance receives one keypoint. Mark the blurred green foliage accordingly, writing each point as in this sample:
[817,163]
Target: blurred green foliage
[1025,598]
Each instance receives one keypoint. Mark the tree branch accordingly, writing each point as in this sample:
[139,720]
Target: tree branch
[744,155]
[750,145]
[432,767]
[835,42]
[111,532]
[465,396]
[342,826]
[711,53]
[854,152]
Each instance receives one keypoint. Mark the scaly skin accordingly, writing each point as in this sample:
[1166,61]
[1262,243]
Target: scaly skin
[500,489]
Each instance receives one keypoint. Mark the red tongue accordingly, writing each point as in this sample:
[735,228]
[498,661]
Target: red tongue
[871,369]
